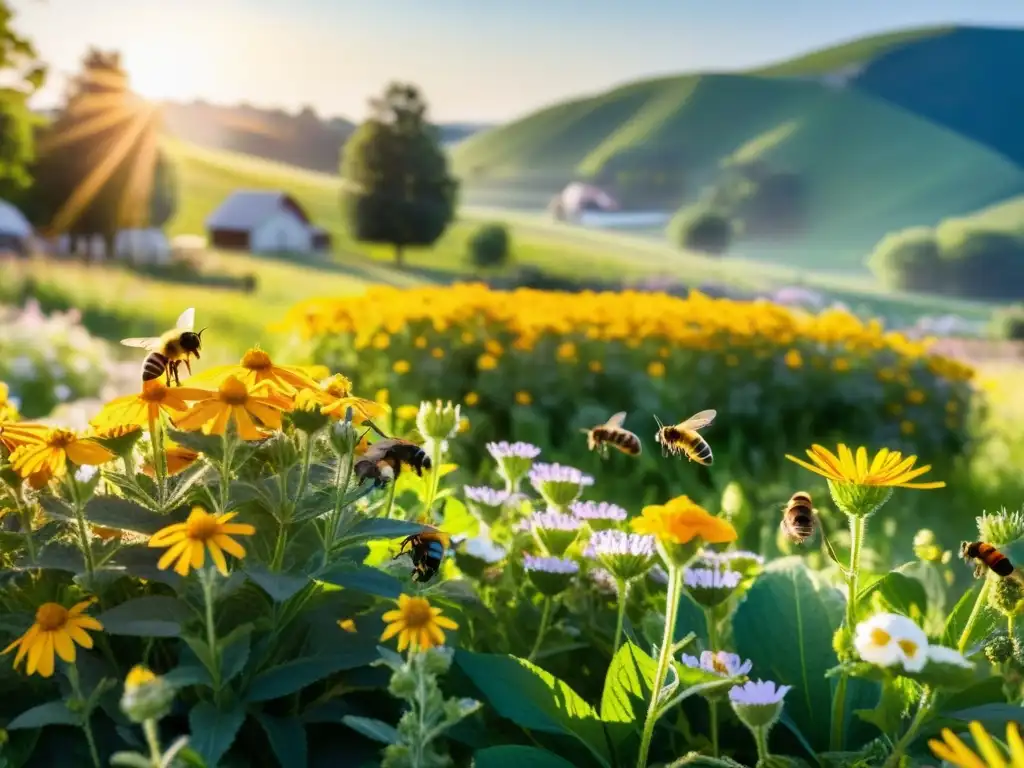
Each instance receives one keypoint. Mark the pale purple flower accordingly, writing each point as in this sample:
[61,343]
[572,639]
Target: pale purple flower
[604,580]
[727,558]
[721,663]
[553,520]
[483,548]
[518,450]
[659,575]
[550,564]
[592,510]
[759,693]
[620,543]
[711,578]
[490,497]
[558,473]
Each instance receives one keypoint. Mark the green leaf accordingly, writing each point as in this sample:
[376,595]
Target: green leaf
[785,627]
[56,556]
[213,730]
[900,593]
[185,675]
[152,616]
[280,586]
[457,519]
[372,729]
[897,697]
[362,578]
[123,515]
[993,716]
[211,445]
[50,713]
[517,756]
[627,686]
[378,528]
[234,650]
[984,624]
[295,675]
[534,699]
[287,737]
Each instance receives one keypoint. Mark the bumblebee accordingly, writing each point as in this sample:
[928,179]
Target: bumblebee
[799,520]
[611,433]
[427,550]
[383,460]
[683,438]
[169,351]
[986,556]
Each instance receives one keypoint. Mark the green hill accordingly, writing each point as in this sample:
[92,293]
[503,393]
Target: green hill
[885,132]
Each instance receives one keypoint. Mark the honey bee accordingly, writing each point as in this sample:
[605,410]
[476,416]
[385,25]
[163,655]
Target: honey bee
[683,438]
[169,351]
[611,433]
[799,520]
[986,556]
[427,550]
[383,460]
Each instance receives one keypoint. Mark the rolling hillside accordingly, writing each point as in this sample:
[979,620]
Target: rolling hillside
[886,132]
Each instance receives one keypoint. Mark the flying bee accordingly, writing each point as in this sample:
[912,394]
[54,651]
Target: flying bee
[427,550]
[169,351]
[611,433]
[986,556]
[683,438]
[799,519]
[383,460]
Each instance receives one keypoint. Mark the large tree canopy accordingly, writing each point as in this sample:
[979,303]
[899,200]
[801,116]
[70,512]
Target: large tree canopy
[397,188]
[24,75]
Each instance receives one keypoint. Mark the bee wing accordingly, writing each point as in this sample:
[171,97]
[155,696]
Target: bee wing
[616,420]
[379,448]
[151,343]
[187,320]
[699,420]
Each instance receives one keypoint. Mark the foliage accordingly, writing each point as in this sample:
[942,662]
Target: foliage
[397,189]
[489,246]
[24,74]
[1008,323]
[699,228]
[760,200]
[46,360]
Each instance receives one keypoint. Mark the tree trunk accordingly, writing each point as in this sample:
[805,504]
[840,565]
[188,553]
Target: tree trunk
[399,255]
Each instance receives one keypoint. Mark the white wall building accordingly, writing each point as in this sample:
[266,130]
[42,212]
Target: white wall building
[264,221]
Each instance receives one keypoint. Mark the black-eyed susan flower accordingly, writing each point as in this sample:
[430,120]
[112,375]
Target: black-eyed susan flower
[147,696]
[177,457]
[188,542]
[119,438]
[955,752]
[417,624]
[236,401]
[57,447]
[145,406]
[256,367]
[334,395]
[679,526]
[14,434]
[56,630]
[8,409]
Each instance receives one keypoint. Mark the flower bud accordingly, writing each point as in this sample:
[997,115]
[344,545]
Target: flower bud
[842,643]
[559,485]
[487,504]
[514,461]
[859,500]
[626,556]
[553,531]
[710,587]
[306,414]
[119,439]
[926,547]
[1006,597]
[343,437]
[999,649]
[437,421]
[550,575]
[1000,528]
[146,696]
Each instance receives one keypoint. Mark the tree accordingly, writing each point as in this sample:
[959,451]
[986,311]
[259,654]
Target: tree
[701,229]
[489,245]
[24,74]
[396,185]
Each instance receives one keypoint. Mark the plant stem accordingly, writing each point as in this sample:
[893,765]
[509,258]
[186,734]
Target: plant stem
[25,514]
[153,740]
[76,686]
[159,459]
[664,657]
[927,700]
[761,740]
[207,577]
[623,591]
[979,605]
[711,621]
[542,630]
[225,470]
[390,500]
[341,481]
[435,476]
[858,529]
[83,530]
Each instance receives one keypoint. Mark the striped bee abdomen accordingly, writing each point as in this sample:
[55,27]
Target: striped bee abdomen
[153,366]
[699,450]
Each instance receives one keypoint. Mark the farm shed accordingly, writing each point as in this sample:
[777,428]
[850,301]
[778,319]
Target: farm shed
[15,231]
[263,221]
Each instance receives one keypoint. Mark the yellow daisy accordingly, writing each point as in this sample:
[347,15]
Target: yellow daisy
[681,520]
[188,542]
[178,459]
[58,446]
[348,625]
[257,367]
[954,751]
[137,677]
[56,628]
[14,434]
[146,406]
[335,397]
[887,468]
[235,400]
[417,624]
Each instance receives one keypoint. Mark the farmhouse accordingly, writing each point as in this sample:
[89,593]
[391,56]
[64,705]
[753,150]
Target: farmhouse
[578,198]
[264,221]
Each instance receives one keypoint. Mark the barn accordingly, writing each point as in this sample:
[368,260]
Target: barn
[264,221]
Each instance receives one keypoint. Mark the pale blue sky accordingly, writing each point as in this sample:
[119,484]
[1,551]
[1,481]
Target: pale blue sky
[474,59]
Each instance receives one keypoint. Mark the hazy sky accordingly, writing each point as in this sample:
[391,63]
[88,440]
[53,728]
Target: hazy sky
[475,59]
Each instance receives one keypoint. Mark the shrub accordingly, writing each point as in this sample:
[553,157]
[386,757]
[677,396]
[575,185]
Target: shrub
[1008,323]
[777,377]
[489,246]
[700,229]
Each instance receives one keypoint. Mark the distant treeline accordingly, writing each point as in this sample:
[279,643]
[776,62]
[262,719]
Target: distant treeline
[304,139]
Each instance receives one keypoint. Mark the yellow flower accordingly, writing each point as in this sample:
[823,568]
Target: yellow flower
[471,399]
[142,408]
[381,341]
[887,468]
[463,425]
[437,353]
[401,366]
[417,624]
[13,434]
[681,520]
[235,401]
[407,412]
[494,347]
[383,396]
[8,411]
[954,751]
[421,342]
[595,366]
[138,676]
[840,364]
[523,398]
[58,447]
[56,628]
[348,625]
[794,359]
[487,362]
[907,427]
[255,368]
[178,458]
[335,398]
[916,397]
[656,369]
[566,352]
[467,337]
[188,542]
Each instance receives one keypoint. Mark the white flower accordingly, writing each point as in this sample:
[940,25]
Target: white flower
[887,639]
[721,663]
[708,578]
[761,692]
[483,548]
[942,655]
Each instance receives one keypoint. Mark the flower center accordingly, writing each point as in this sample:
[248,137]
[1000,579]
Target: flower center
[719,666]
[909,647]
[153,392]
[51,616]
[417,613]
[880,637]
[60,438]
[233,392]
[338,386]
[201,526]
[257,360]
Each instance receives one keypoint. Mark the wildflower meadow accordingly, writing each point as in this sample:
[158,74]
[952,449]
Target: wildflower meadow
[244,571]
